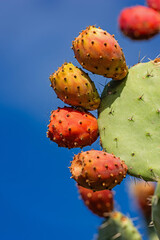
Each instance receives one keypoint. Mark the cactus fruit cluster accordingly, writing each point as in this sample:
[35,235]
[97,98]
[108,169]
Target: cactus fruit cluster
[128,121]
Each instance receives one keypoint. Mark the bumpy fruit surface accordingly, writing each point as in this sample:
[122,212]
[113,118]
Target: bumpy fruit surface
[139,22]
[100,202]
[97,51]
[143,193]
[74,87]
[155,4]
[97,170]
[72,128]
[129,120]
[119,227]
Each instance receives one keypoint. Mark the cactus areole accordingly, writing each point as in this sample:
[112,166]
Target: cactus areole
[129,120]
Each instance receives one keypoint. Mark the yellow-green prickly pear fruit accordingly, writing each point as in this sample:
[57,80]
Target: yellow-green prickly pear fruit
[74,87]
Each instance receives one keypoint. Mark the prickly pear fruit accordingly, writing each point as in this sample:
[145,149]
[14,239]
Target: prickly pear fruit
[139,22]
[74,87]
[97,51]
[143,193]
[100,202]
[129,116]
[155,4]
[118,226]
[72,128]
[97,170]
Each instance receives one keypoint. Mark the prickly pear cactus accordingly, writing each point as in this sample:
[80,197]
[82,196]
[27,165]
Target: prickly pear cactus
[118,226]
[129,120]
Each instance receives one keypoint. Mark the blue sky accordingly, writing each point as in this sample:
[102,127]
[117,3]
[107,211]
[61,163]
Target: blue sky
[38,200]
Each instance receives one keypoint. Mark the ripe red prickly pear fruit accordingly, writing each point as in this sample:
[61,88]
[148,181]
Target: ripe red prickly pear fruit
[98,51]
[97,170]
[155,4]
[100,202]
[143,193]
[72,128]
[139,22]
[74,87]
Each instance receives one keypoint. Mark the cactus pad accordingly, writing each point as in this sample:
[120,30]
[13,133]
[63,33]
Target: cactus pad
[118,226]
[156,209]
[129,120]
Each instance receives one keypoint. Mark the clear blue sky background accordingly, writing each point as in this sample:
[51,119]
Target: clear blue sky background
[38,200]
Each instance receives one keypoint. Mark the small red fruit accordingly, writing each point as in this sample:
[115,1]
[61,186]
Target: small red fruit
[100,202]
[72,128]
[139,22]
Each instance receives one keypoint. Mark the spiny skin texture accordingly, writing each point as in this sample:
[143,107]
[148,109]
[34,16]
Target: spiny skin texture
[74,87]
[97,51]
[139,22]
[100,202]
[118,226]
[97,170]
[143,193]
[72,128]
[155,4]
[129,117]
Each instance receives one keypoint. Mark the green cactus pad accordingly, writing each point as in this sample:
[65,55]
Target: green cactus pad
[156,209]
[118,227]
[129,120]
